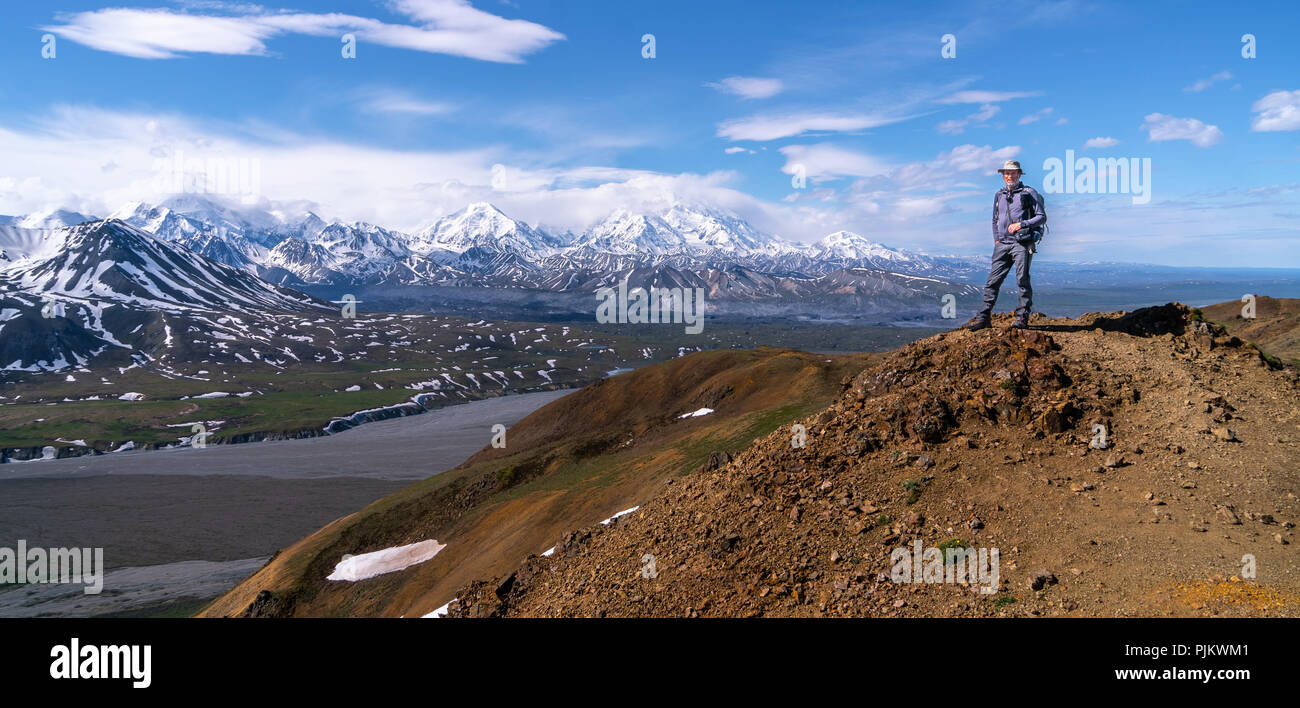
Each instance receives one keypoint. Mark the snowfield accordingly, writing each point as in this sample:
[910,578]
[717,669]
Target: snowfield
[389,560]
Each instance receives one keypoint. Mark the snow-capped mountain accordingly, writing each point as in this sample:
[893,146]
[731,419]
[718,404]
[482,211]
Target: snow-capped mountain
[115,262]
[679,230]
[718,233]
[292,246]
[107,292]
[19,245]
[339,253]
[625,234]
[200,226]
[483,226]
[848,246]
[46,219]
[481,246]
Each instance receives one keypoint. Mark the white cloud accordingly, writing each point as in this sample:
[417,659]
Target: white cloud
[824,161]
[444,27]
[985,96]
[1165,127]
[396,101]
[46,164]
[956,127]
[985,112]
[949,166]
[773,127]
[1036,116]
[951,127]
[748,86]
[1100,143]
[163,34]
[1203,84]
[1279,110]
[735,150]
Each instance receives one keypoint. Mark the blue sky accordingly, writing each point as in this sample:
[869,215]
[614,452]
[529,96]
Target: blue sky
[896,142]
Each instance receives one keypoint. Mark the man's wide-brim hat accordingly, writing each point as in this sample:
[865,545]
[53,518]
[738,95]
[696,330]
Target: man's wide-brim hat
[1011,166]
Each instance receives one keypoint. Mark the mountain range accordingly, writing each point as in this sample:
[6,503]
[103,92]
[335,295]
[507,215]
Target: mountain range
[194,274]
[481,245]
[739,267]
[108,291]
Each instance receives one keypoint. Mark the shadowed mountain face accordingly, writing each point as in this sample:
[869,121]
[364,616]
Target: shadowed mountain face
[115,262]
[106,293]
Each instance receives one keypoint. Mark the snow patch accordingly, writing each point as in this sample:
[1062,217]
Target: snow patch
[621,513]
[389,560]
[441,611]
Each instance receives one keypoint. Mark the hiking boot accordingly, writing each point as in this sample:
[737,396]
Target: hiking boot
[978,322]
[1021,322]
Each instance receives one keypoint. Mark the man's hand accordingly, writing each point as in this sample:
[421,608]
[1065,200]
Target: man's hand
[1013,228]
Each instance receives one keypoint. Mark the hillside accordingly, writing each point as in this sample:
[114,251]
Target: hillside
[603,449]
[1275,328]
[980,440]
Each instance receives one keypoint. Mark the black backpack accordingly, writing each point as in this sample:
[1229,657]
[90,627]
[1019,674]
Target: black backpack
[1032,203]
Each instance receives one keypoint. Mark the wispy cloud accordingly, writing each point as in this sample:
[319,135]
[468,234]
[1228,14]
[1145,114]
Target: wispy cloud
[1100,143]
[956,127]
[824,161]
[1208,82]
[441,27]
[986,96]
[1279,110]
[948,167]
[1165,127]
[748,86]
[1035,116]
[400,102]
[788,125]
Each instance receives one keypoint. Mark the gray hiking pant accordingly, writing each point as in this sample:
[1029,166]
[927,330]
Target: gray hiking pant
[1004,255]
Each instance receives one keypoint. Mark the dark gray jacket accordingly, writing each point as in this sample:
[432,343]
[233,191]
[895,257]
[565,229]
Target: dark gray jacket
[1019,203]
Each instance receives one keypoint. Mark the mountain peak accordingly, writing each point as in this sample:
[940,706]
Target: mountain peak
[483,206]
[52,218]
[115,261]
[853,246]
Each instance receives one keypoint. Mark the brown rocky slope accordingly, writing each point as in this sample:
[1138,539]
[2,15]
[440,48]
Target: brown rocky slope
[981,439]
[579,459]
[1275,326]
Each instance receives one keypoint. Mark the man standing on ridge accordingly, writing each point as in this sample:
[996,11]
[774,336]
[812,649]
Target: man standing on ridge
[1018,220]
